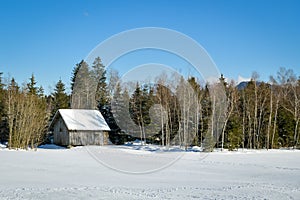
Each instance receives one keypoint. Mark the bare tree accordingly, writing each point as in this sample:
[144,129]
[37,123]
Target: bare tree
[290,90]
[27,117]
[255,77]
[84,88]
[232,97]
[270,118]
[187,100]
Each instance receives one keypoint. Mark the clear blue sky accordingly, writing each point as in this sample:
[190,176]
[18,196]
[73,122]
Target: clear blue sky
[49,37]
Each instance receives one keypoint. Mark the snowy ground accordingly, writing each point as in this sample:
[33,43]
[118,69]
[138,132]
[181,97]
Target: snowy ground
[148,173]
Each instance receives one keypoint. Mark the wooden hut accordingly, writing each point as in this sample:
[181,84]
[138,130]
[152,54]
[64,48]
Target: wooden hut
[79,127]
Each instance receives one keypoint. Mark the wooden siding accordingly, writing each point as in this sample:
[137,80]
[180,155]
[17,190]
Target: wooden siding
[88,138]
[60,133]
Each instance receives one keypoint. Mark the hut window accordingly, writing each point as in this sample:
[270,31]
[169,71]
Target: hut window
[60,129]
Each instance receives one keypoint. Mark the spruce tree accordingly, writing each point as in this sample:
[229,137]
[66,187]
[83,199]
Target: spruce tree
[3,116]
[74,73]
[40,92]
[31,86]
[60,97]
[99,75]
[102,97]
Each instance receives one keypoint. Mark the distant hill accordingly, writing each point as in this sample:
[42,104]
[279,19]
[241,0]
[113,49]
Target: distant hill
[243,85]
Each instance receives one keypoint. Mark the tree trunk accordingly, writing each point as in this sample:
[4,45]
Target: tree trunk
[270,120]
[255,115]
[296,133]
[275,123]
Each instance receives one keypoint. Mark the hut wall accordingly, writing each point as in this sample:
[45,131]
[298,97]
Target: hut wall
[60,133]
[88,138]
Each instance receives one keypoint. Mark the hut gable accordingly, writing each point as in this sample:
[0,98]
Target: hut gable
[79,127]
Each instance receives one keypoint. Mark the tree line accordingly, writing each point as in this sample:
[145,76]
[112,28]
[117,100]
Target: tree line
[26,111]
[257,114]
[181,112]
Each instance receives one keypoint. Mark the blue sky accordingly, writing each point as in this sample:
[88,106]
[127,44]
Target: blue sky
[49,37]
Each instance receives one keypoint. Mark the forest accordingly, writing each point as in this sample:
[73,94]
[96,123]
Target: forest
[254,115]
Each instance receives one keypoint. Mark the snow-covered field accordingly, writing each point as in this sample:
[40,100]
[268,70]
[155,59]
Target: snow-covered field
[148,173]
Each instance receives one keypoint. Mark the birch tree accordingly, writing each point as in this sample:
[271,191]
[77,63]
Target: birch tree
[232,99]
[291,101]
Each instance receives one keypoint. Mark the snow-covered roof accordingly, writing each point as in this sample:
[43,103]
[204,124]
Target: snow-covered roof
[81,119]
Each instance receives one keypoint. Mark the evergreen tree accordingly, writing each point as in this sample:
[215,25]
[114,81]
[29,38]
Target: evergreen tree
[1,81]
[147,102]
[223,81]
[234,136]
[31,86]
[40,92]
[60,97]
[207,139]
[102,97]
[99,75]
[140,103]
[74,73]
[135,107]
[3,116]
[285,129]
